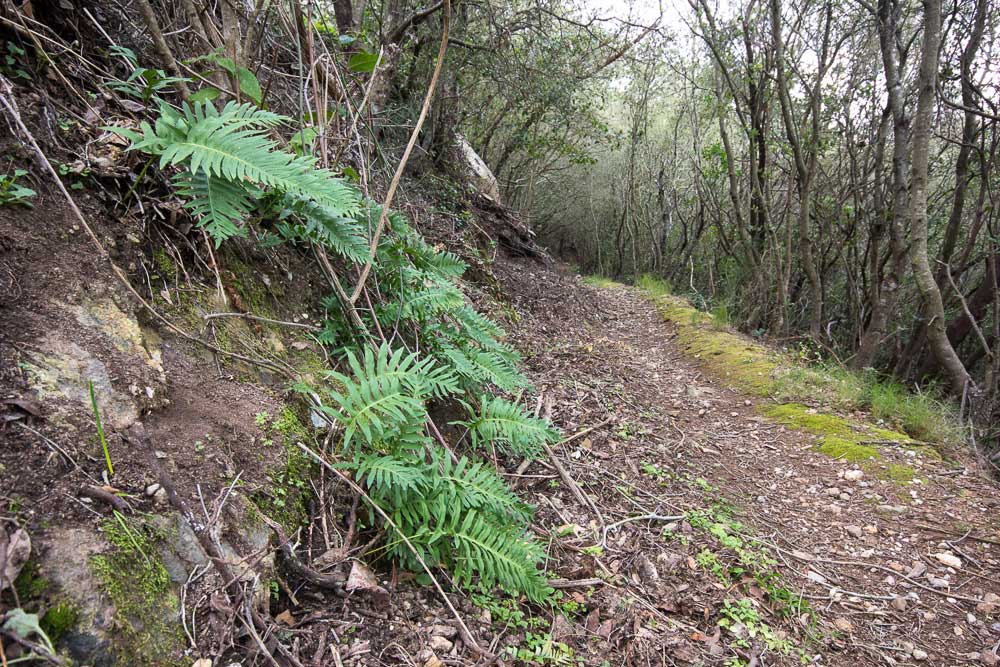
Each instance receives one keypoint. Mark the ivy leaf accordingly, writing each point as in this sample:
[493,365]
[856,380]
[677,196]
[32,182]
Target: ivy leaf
[24,625]
[204,95]
[362,62]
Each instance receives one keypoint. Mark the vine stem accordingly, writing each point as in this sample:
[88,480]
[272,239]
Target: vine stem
[384,213]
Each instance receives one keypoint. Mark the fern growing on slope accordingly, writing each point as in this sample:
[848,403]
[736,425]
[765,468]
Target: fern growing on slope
[458,512]
[504,423]
[228,158]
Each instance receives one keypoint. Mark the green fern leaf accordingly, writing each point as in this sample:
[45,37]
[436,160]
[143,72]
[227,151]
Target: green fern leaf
[504,424]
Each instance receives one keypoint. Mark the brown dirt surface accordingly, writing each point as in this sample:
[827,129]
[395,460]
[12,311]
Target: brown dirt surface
[842,568]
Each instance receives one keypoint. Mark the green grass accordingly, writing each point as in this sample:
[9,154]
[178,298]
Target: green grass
[788,378]
[602,282]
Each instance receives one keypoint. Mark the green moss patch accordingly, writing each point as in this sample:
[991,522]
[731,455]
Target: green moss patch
[838,437]
[765,372]
[602,282]
[286,498]
[147,611]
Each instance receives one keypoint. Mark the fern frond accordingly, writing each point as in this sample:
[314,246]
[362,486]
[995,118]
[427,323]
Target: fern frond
[322,224]
[233,145]
[376,403]
[390,476]
[477,327]
[426,302]
[218,205]
[484,367]
[502,556]
[475,485]
[505,424]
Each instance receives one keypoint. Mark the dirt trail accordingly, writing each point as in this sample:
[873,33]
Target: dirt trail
[793,558]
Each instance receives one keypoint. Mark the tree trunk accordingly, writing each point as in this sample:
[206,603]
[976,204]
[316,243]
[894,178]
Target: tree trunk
[937,336]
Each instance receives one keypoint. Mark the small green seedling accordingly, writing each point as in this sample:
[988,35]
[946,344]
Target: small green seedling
[13,193]
[100,428]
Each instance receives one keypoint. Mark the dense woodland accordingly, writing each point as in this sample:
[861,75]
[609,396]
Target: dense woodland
[814,172]
[266,316]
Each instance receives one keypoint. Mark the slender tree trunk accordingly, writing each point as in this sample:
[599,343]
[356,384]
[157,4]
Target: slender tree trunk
[884,307]
[937,336]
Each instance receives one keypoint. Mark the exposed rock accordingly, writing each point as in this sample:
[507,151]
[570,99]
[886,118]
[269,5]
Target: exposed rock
[854,531]
[481,175]
[60,369]
[919,654]
[441,644]
[949,559]
[853,475]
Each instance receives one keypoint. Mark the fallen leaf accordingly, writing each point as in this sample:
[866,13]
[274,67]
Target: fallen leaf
[362,579]
[14,553]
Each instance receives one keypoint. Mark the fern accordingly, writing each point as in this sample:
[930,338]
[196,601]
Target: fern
[458,514]
[326,226]
[219,204]
[480,367]
[502,555]
[390,476]
[474,485]
[504,424]
[232,147]
[383,395]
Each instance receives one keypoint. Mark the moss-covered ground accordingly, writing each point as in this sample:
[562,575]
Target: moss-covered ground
[148,629]
[812,397]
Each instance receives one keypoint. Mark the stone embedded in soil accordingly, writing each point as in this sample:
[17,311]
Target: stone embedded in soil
[854,531]
[949,559]
[919,654]
[853,475]
[990,603]
[440,644]
[446,631]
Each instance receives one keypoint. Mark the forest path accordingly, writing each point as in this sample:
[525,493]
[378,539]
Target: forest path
[795,554]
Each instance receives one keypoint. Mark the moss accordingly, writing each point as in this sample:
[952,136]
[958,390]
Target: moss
[286,498]
[256,296]
[847,450]
[808,419]
[30,584]
[59,619]
[601,282]
[765,372]
[897,472]
[164,264]
[137,583]
[838,437]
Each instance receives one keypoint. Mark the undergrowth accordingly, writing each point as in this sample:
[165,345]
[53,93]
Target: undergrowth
[798,377]
[418,343]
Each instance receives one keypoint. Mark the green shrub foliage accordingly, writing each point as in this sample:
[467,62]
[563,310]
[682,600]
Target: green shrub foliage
[455,510]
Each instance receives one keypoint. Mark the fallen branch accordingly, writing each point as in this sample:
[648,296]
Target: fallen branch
[97,493]
[575,583]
